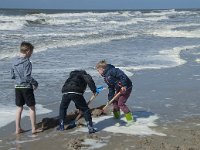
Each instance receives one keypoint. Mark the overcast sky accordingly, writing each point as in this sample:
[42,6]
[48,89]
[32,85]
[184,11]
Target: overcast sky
[100,4]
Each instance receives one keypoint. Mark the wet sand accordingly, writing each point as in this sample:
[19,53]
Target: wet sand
[179,136]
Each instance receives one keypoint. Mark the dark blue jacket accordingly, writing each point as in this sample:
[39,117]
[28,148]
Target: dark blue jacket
[115,79]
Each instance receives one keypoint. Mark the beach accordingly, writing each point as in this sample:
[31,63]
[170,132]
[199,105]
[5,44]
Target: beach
[153,130]
[179,136]
[157,49]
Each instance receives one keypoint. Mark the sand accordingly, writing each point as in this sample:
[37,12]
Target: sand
[179,136]
[183,135]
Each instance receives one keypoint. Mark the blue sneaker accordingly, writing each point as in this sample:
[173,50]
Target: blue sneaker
[61,126]
[91,129]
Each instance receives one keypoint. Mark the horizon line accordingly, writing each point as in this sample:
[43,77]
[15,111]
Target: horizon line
[101,9]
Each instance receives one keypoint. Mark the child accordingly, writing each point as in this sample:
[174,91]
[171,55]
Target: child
[73,89]
[24,86]
[117,81]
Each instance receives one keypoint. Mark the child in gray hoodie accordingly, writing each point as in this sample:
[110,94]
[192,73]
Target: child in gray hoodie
[24,86]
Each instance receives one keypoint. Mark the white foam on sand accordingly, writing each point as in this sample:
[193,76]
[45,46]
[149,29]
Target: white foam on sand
[141,127]
[8,113]
[25,141]
[92,144]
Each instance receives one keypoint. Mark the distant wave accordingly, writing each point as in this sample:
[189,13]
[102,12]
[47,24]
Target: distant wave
[171,31]
[48,31]
[86,41]
[37,21]
[12,25]
[68,43]
[19,22]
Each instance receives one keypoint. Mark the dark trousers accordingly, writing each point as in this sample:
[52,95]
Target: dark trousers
[80,104]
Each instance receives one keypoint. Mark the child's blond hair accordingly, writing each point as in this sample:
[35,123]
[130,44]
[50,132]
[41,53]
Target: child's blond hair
[101,64]
[25,46]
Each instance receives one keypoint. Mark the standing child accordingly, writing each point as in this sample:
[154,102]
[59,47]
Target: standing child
[73,90]
[117,81]
[24,86]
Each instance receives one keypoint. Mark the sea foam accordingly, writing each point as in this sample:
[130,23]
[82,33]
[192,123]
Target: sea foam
[8,113]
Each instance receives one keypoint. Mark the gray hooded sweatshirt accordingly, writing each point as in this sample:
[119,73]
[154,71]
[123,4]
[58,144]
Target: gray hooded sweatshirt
[21,72]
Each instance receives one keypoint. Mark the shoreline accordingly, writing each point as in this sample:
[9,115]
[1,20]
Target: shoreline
[182,135]
[182,130]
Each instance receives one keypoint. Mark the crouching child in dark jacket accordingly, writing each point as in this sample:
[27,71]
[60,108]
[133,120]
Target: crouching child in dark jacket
[73,90]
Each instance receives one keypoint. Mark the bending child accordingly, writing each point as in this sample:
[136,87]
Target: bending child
[24,86]
[117,81]
[73,90]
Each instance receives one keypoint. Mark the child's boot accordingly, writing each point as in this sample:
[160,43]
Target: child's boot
[90,127]
[61,126]
[72,124]
[116,114]
[129,118]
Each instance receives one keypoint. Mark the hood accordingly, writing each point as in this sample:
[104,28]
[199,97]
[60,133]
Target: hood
[76,72]
[20,60]
[108,67]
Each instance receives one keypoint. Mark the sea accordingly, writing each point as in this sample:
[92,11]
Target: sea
[65,40]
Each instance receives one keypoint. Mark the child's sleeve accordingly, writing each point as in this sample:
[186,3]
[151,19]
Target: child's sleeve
[27,74]
[90,82]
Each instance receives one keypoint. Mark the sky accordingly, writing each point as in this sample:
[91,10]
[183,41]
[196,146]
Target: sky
[100,4]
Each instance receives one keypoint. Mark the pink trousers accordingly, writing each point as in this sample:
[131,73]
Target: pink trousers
[119,104]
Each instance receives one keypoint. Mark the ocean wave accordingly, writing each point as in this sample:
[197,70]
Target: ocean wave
[170,31]
[79,34]
[171,13]
[15,22]
[76,14]
[197,60]
[168,58]
[12,25]
[36,21]
[18,22]
[86,40]
[160,13]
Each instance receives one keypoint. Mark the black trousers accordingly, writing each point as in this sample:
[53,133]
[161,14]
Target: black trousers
[80,103]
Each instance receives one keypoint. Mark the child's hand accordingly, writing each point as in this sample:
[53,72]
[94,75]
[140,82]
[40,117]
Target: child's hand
[99,89]
[123,89]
